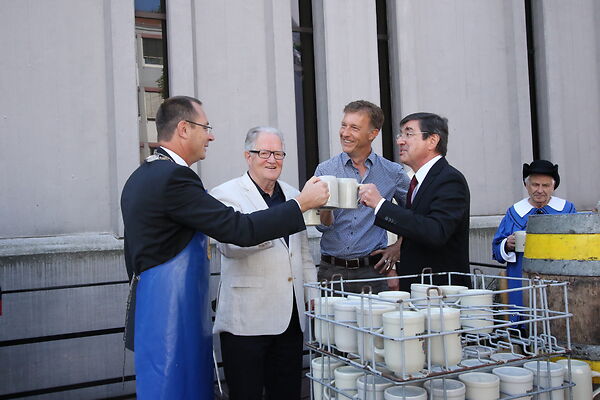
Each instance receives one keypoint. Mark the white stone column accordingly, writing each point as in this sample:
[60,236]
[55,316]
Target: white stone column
[180,47]
[123,140]
[346,64]
[567,60]
[467,61]
[244,75]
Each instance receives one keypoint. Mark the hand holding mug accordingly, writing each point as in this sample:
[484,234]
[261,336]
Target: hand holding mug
[315,194]
[510,243]
[369,195]
[520,237]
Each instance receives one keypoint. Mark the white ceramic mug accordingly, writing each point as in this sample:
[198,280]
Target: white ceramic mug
[520,237]
[481,385]
[476,311]
[347,192]
[324,307]
[406,356]
[312,217]
[445,389]
[452,291]
[515,380]
[369,316]
[406,392]
[547,380]
[346,339]
[394,295]
[582,375]
[322,368]
[446,349]
[331,182]
[371,387]
[420,291]
[345,379]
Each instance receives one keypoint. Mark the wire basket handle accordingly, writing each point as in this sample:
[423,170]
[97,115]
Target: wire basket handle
[427,271]
[477,271]
[341,278]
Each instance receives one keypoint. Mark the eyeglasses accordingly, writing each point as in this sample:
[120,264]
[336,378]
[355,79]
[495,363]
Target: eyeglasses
[208,128]
[279,155]
[408,135]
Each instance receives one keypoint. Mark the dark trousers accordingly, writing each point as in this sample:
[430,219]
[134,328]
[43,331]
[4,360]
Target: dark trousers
[272,362]
[327,271]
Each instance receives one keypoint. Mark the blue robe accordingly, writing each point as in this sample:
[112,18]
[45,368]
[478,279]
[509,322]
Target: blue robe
[516,220]
[173,332]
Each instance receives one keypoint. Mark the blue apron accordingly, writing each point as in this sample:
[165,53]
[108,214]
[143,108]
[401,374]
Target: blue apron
[173,332]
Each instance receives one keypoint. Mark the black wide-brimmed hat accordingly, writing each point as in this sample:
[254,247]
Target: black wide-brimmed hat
[542,167]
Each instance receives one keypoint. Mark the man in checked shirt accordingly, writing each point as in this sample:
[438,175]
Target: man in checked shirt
[351,244]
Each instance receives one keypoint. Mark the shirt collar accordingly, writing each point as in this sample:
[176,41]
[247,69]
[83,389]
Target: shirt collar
[276,190]
[175,157]
[422,172]
[523,207]
[372,157]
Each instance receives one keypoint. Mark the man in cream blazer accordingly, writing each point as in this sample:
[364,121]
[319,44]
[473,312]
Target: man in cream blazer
[260,310]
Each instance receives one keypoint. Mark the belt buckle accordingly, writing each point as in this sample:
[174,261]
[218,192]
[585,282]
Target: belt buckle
[351,267]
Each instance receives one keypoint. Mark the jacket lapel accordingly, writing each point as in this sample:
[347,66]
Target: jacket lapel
[252,193]
[429,178]
[256,199]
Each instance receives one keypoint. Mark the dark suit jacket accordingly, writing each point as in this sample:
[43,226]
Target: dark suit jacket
[164,204]
[436,227]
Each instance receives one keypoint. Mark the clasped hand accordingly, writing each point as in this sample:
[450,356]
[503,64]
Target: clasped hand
[369,195]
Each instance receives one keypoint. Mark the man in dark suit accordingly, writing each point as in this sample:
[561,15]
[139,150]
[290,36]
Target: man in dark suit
[167,213]
[434,224]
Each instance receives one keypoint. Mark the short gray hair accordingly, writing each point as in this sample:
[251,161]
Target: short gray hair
[253,134]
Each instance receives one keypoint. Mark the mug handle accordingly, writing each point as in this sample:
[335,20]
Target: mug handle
[378,330]
[377,350]
[326,391]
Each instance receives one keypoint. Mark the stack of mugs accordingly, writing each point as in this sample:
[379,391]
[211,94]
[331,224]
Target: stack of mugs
[408,331]
[401,328]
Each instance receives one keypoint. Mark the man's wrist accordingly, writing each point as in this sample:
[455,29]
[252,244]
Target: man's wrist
[508,256]
[378,206]
[297,202]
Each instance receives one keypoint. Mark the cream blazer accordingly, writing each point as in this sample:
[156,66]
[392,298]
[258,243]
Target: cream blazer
[255,292]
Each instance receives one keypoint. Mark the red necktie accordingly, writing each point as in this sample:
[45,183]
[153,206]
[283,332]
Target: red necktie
[411,189]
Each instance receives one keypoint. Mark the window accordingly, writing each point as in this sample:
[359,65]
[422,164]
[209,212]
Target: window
[304,84]
[385,98]
[152,68]
[152,51]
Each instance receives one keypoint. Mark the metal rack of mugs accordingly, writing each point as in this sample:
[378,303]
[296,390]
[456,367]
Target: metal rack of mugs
[440,341]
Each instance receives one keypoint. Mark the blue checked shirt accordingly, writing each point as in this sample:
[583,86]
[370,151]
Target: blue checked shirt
[353,233]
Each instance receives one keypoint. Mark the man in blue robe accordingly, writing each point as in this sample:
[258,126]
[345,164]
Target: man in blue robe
[541,179]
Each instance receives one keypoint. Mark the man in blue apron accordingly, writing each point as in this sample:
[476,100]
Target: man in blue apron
[167,213]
